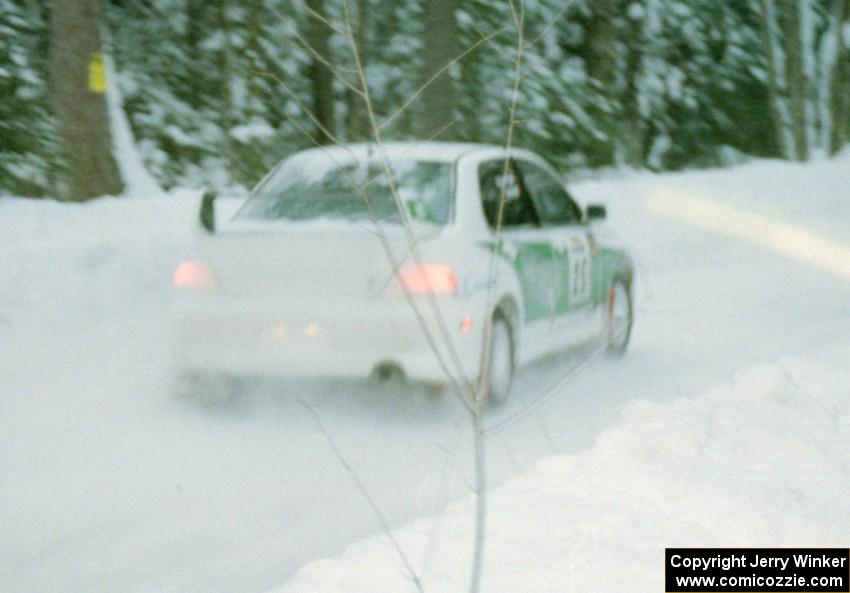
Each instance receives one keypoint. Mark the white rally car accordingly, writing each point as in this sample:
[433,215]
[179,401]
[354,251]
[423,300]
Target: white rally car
[356,261]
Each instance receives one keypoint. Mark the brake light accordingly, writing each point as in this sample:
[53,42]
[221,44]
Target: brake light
[429,278]
[193,274]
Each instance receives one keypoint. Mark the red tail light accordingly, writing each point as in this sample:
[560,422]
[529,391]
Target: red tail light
[193,274]
[429,278]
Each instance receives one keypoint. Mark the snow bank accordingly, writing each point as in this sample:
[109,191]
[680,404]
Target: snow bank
[66,259]
[761,461]
[813,194]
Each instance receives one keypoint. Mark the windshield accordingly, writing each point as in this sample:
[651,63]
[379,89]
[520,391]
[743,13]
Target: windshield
[312,185]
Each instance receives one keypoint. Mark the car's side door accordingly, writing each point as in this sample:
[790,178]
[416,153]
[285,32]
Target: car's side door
[523,244]
[561,219]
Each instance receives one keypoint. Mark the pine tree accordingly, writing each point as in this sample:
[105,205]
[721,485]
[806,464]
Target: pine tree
[29,148]
[216,92]
[771,51]
[320,75]
[599,53]
[632,137]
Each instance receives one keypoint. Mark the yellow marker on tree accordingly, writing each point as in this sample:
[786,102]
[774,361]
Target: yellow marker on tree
[97,73]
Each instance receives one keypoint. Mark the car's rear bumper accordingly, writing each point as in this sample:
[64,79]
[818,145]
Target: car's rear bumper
[333,339]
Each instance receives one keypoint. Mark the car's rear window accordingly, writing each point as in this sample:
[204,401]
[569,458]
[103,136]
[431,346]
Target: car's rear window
[313,185]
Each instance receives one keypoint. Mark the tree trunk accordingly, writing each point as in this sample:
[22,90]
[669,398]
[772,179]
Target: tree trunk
[770,48]
[794,76]
[320,76]
[631,117]
[77,75]
[358,118]
[225,58]
[253,56]
[194,12]
[839,95]
[441,46]
[600,62]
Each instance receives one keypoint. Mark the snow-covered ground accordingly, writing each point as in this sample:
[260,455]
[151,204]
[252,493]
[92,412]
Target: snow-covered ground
[759,462]
[726,423]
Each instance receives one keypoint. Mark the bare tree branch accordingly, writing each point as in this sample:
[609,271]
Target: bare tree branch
[331,25]
[405,216]
[480,506]
[473,395]
[551,24]
[298,102]
[442,129]
[435,76]
[332,67]
[364,492]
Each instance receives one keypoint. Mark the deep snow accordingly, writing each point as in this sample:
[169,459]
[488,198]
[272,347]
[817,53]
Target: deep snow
[759,462]
[109,484]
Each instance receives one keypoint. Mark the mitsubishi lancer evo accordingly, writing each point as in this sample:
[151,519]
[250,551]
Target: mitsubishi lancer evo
[428,261]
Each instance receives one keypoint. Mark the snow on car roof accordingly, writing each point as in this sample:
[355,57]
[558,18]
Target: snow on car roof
[314,163]
[423,151]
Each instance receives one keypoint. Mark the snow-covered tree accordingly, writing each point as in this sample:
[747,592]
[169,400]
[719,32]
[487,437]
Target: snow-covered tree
[216,92]
[29,151]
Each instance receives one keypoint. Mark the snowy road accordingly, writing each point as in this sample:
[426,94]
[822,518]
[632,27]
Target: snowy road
[109,485]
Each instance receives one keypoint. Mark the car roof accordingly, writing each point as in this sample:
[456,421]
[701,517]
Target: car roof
[446,152]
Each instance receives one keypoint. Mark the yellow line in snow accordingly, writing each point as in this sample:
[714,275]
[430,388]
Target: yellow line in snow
[793,241]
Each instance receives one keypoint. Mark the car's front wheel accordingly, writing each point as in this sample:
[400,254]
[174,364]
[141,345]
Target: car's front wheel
[500,369]
[619,317]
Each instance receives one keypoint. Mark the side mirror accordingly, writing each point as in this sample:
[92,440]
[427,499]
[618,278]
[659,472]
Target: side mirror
[596,212]
[206,214]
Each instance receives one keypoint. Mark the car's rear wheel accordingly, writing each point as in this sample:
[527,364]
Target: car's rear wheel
[619,317]
[500,368]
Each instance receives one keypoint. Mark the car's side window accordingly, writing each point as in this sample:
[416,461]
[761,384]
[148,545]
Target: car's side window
[553,203]
[518,209]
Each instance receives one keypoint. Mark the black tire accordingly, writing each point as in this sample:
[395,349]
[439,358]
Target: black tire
[501,365]
[619,317]
[204,389]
